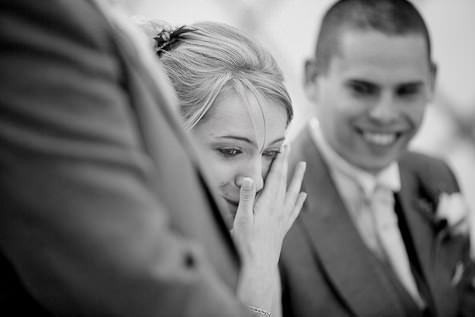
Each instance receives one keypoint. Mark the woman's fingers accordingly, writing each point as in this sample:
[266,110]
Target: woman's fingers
[247,196]
[276,179]
[293,189]
[297,208]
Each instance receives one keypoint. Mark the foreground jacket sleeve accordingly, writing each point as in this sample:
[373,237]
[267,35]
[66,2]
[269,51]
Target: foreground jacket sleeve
[80,223]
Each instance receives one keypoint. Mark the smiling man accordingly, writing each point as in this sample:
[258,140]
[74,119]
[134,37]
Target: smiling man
[364,244]
[372,96]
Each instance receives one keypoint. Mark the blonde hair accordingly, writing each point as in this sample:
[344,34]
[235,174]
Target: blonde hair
[216,57]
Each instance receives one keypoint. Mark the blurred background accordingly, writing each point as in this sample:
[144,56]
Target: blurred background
[288,29]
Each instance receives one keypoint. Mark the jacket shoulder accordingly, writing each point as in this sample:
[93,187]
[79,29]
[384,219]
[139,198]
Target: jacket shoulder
[432,172]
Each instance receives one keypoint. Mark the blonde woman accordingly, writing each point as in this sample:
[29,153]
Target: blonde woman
[235,104]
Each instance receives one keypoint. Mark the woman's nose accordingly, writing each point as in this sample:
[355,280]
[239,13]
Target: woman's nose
[255,172]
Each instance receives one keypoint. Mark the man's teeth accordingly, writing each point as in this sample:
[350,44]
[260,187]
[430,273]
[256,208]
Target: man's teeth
[379,138]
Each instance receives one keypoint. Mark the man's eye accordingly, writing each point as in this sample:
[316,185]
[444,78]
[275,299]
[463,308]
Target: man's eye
[362,88]
[408,90]
[229,152]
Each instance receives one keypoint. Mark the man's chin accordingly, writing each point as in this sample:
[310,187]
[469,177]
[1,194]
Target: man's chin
[374,165]
[375,159]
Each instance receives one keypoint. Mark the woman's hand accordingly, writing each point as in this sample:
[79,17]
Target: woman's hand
[261,224]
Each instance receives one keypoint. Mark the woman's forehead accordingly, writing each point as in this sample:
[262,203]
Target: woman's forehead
[261,121]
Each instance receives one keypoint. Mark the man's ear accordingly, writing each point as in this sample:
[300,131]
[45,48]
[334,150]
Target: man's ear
[432,79]
[312,72]
[433,75]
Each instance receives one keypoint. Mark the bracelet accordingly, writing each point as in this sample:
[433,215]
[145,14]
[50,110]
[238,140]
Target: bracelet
[259,312]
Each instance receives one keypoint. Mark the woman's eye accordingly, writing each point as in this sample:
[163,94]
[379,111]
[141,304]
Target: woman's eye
[229,152]
[271,154]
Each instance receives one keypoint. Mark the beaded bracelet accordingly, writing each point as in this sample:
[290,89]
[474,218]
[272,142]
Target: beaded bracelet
[259,311]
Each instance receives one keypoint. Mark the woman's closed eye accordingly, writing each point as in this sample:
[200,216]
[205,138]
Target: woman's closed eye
[272,154]
[229,152]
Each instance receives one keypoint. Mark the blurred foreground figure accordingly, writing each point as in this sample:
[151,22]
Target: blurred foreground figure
[384,231]
[104,209]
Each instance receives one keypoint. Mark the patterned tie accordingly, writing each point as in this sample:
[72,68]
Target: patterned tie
[391,245]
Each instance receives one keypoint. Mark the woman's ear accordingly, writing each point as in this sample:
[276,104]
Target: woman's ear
[311,77]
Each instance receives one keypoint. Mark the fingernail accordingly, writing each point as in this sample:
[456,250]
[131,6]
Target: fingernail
[247,183]
[283,148]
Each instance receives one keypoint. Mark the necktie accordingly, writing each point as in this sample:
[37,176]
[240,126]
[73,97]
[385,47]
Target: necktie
[389,240]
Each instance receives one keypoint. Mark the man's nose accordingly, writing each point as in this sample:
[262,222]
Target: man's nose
[385,110]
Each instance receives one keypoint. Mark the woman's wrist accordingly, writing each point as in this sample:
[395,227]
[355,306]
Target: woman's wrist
[257,286]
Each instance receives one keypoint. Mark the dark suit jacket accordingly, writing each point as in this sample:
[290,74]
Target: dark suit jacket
[328,270]
[103,208]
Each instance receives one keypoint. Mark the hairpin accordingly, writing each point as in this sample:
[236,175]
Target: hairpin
[166,40]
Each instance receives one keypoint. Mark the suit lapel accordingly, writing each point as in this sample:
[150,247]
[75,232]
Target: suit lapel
[351,267]
[422,234]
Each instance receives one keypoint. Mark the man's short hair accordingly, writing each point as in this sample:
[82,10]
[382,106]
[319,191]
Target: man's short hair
[392,17]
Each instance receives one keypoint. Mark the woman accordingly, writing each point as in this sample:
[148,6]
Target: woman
[235,105]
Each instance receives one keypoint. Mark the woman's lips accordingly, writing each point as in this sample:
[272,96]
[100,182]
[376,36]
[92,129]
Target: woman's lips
[232,202]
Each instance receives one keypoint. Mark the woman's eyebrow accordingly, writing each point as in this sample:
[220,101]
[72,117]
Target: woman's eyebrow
[237,137]
[281,139]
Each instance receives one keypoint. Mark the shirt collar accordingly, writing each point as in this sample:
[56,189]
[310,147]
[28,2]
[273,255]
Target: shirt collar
[388,177]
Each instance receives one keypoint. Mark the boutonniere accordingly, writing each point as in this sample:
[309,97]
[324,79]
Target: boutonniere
[455,211]
[453,214]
